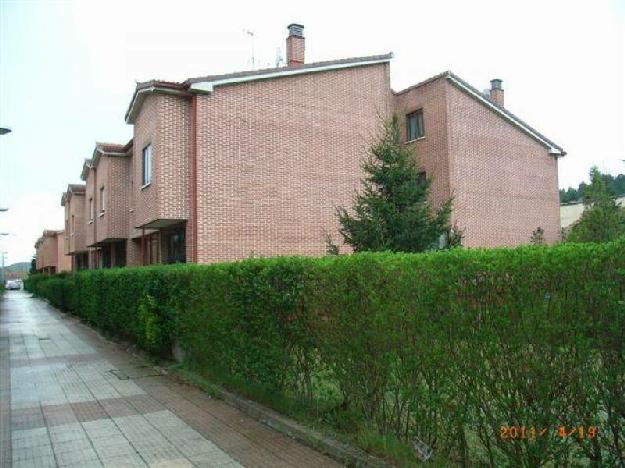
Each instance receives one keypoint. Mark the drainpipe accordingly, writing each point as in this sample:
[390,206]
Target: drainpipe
[95,225]
[194,210]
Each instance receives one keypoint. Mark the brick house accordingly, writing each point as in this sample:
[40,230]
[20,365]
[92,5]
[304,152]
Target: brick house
[50,253]
[106,207]
[73,200]
[223,167]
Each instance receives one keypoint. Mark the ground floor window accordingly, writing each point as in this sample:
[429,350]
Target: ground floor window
[119,249]
[176,248]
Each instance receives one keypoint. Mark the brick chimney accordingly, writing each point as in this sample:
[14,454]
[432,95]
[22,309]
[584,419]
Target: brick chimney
[295,45]
[496,92]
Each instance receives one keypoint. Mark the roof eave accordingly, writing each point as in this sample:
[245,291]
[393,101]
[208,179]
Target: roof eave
[140,94]
[554,150]
[207,86]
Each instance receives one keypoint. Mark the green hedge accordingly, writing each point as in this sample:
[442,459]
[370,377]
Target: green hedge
[443,348]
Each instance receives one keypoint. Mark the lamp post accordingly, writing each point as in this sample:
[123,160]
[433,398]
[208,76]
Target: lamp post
[4,131]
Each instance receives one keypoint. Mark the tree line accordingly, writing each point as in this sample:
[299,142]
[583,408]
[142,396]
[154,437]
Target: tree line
[614,184]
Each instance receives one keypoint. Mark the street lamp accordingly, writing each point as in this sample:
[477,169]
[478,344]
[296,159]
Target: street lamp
[4,131]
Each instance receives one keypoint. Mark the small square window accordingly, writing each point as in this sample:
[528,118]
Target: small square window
[414,125]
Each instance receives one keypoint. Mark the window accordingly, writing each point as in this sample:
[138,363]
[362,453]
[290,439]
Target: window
[102,200]
[414,125]
[421,178]
[73,224]
[147,165]
[176,251]
[91,214]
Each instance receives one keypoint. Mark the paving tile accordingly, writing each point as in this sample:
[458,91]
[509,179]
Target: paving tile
[80,457]
[123,461]
[39,451]
[40,462]
[88,411]
[27,418]
[214,460]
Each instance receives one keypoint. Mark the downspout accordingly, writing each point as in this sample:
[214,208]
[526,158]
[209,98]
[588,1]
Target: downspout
[194,210]
[95,225]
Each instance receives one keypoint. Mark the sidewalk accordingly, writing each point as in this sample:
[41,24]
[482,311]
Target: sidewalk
[70,398]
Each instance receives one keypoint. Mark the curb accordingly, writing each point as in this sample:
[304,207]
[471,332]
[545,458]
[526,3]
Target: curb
[346,454]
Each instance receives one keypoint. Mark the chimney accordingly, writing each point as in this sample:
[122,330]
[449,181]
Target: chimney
[295,45]
[496,92]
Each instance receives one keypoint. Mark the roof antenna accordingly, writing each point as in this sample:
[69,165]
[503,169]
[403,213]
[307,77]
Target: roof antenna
[251,36]
[279,59]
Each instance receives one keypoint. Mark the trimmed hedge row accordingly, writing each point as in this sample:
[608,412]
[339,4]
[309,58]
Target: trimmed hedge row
[443,348]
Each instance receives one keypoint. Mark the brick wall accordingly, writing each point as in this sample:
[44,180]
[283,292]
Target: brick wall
[48,252]
[276,157]
[432,151]
[505,183]
[113,174]
[76,205]
[90,193]
[146,132]
[63,262]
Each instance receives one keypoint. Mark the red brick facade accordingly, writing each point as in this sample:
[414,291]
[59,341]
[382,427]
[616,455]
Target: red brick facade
[256,162]
[50,254]
[503,182]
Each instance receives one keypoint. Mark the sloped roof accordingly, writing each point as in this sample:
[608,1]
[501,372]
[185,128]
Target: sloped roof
[554,149]
[205,84]
[71,190]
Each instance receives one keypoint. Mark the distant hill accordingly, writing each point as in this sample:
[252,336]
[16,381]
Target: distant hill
[22,266]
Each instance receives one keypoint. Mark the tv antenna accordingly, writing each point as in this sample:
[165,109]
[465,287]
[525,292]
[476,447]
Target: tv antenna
[250,34]
[279,59]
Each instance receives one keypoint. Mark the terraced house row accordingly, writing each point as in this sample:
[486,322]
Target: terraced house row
[222,167]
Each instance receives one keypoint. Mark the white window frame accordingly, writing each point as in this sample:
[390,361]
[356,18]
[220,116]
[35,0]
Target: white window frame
[146,164]
[102,200]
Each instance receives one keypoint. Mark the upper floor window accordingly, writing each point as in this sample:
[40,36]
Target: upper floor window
[414,125]
[102,200]
[73,224]
[91,213]
[147,165]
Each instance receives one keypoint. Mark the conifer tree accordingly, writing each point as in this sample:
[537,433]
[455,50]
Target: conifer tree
[392,211]
[602,220]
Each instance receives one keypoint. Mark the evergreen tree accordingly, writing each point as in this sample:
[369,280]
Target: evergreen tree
[538,236]
[392,211]
[602,220]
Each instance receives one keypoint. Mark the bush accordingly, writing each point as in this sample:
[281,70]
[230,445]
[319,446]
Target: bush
[444,348]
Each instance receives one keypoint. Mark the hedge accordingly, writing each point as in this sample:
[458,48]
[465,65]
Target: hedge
[444,348]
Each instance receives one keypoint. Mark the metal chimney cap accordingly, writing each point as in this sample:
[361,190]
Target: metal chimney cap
[496,83]
[296,29]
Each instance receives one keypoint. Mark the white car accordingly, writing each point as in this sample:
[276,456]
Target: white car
[12,285]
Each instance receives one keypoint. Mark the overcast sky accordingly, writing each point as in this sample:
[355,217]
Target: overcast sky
[67,73]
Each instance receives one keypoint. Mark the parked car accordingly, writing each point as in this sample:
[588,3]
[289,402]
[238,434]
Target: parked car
[12,285]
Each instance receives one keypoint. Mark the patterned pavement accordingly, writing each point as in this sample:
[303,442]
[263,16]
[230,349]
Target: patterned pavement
[70,398]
